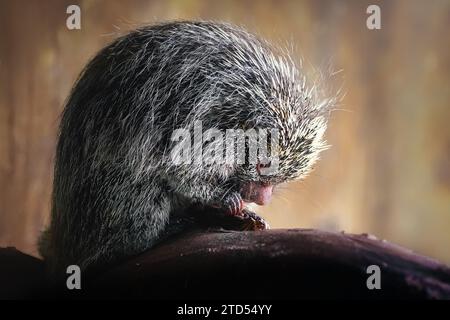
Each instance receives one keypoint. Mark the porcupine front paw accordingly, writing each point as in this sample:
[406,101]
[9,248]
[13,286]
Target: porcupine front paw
[239,218]
[251,221]
[229,215]
[246,221]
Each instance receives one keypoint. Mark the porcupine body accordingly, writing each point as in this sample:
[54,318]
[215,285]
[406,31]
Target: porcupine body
[116,189]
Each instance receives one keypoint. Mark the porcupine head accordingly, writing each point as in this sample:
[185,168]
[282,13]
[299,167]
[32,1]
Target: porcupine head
[148,130]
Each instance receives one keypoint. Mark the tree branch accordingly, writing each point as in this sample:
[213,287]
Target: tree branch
[283,263]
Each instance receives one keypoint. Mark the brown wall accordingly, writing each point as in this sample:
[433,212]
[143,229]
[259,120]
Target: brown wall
[388,171]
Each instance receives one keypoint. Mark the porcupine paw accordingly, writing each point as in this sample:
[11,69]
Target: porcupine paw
[246,221]
[231,215]
[252,222]
[239,218]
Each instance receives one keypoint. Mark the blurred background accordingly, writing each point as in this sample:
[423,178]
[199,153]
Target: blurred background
[387,172]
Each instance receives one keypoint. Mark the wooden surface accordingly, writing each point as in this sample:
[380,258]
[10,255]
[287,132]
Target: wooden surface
[278,264]
[388,171]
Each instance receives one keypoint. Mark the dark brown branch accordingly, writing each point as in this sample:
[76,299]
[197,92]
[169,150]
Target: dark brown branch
[295,263]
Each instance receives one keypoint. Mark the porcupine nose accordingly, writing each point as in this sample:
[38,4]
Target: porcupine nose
[257,192]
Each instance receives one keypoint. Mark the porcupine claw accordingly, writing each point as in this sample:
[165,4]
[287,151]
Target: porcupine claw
[239,218]
[235,217]
[252,222]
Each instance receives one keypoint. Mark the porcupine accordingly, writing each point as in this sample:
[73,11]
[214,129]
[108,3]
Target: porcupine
[110,200]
